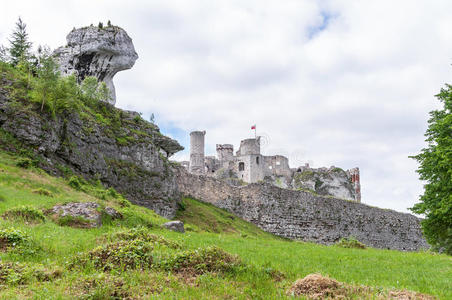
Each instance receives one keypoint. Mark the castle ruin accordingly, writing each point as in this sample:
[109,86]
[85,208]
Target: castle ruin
[248,165]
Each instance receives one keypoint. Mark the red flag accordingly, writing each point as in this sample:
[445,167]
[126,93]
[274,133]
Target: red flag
[253,127]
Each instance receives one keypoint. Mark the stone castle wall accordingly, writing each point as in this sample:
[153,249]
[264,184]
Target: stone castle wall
[304,216]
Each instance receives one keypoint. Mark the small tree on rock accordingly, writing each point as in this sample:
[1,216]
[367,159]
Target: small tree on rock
[20,45]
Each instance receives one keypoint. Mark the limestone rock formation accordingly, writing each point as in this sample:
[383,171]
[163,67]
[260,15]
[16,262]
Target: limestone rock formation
[84,211]
[99,52]
[324,181]
[177,226]
[129,156]
[86,214]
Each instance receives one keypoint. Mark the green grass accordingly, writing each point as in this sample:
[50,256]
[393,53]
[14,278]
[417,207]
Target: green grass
[52,248]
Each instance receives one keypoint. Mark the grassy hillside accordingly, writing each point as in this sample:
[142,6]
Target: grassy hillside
[219,257]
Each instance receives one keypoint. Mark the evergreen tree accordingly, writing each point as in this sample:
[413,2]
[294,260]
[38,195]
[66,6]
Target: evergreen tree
[436,169]
[20,45]
[3,54]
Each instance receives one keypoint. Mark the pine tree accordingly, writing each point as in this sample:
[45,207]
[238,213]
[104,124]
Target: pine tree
[3,54]
[20,45]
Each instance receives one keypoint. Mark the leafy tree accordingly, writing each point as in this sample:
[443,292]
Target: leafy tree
[103,93]
[46,80]
[89,88]
[436,169]
[20,45]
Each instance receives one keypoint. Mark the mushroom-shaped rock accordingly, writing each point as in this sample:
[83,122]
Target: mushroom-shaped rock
[175,226]
[99,52]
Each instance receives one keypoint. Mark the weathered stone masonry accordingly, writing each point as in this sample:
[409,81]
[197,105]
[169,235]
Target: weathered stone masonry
[304,216]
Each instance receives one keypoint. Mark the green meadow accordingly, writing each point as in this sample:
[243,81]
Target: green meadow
[218,257]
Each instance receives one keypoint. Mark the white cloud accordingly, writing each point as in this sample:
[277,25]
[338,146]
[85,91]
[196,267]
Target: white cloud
[345,83]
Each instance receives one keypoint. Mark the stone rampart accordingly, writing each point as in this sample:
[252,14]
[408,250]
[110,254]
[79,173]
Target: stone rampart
[305,216]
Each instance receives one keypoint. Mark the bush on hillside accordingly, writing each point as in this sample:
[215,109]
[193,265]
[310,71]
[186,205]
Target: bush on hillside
[203,260]
[350,242]
[25,213]
[43,192]
[123,255]
[17,273]
[24,163]
[18,242]
[76,183]
[143,234]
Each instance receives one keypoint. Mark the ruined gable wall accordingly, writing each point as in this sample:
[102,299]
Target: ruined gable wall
[302,215]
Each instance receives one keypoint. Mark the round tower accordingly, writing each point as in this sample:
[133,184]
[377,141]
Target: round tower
[197,165]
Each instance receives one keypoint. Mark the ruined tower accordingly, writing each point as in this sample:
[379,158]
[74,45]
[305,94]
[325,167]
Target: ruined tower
[197,165]
[250,167]
[354,173]
[225,154]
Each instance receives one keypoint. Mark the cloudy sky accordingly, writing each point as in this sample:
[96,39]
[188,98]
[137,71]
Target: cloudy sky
[344,83]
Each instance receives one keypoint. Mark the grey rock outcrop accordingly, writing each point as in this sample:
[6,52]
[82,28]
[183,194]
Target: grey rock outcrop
[177,226]
[127,156]
[87,214]
[99,52]
[85,211]
[324,181]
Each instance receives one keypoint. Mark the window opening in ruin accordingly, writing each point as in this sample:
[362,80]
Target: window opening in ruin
[278,163]
[257,159]
[241,166]
[270,167]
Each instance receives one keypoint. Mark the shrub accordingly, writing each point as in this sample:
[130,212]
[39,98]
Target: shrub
[77,222]
[26,213]
[16,273]
[124,202]
[101,286]
[24,163]
[43,192]
[143,234]
[76,182]
[350,242]
[202,260]
[123,255]
[13,238]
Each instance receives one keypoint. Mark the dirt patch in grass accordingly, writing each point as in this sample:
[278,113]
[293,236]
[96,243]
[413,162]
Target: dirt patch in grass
[316,286]
[408,295]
